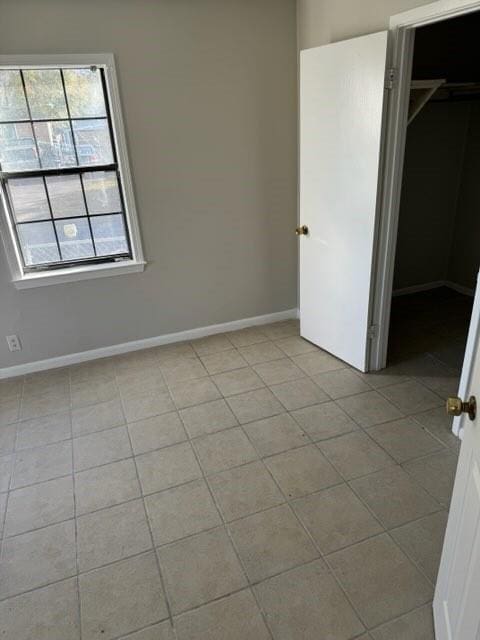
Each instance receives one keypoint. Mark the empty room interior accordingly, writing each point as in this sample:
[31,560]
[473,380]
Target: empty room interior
[239,321]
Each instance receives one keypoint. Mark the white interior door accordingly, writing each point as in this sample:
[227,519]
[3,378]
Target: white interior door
[457,596]
[342,91]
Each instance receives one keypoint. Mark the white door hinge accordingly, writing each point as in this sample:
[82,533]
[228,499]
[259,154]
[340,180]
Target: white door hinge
[391,78]
[372,331]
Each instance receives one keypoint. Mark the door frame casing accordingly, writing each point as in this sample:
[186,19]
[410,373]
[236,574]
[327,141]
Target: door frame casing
[402,35]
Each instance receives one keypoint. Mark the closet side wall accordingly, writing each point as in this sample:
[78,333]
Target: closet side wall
[430,191]
[465,254]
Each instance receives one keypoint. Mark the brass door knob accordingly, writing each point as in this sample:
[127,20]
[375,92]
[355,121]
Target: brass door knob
[456,406]
[302,231]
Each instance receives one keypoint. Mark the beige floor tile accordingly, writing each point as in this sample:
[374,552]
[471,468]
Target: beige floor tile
[50,613]
[365,571]
[302,471]
[121,598]
[207,418]
[102,369]
[279,330]
[156,432]
[236,617]
[199,569]
[141,406]
[39,465]
[223,361]
[224,450]
[211,344]
[181,369]
[295,346]
[299,393]
[417,624]
[35,406]
[271,542]
[307,599]
[404,439]
[167,467]
[263,352]
[181,511]
[318,362]
[102,447]
[97,417]
[112,534]
[411,397]
[6,468]
[162,631]
[392,374]
[175,350]
[246,337]
[436,474]
[3,508]
[42,431]
[192,392]
[93,392]
[39,505]
[244,490]
[255,405]
[106,486]
[140,382]
[9,411]
[276,434]
[341,383]
[439,424]
[355,455]
[7,438]
[369,409]
[37,558]
[394,497]
[278,371]
[336,518]
[11,388]
[422,541]
[322,421]
[238,381]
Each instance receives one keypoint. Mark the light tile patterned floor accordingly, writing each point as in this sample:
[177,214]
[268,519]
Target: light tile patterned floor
[242,486]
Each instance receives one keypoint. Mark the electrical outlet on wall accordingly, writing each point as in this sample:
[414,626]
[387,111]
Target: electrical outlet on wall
[14,343]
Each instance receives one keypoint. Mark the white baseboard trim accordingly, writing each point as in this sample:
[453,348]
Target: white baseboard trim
[460,288]
[427,286]
[136,345]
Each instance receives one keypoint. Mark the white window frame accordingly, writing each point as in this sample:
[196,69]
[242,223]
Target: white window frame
[26,280]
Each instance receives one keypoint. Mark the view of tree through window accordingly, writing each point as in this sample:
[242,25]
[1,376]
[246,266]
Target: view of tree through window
[58,167]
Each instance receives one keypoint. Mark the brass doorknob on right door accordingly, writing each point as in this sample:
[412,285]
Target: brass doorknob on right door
[456,406]
[302,231]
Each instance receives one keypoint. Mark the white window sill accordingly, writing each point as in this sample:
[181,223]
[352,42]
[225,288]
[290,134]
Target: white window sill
[74,274]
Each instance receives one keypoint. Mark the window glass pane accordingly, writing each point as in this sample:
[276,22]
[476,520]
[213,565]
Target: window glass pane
[28,198]
[38,243]
[101,192]
[17,147]
[13,105]
[84,93]
[109,235]
[55,144]
[92,139]
[45,93]
[74,238]
[66,198]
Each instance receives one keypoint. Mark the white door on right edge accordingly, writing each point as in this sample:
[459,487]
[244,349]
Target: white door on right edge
[456,604]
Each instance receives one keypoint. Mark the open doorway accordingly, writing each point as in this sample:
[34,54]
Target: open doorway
[437,252]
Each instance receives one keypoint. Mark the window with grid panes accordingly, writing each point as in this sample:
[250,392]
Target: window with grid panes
[58,167]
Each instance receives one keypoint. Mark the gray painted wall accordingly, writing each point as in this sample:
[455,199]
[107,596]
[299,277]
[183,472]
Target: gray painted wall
[209,97]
